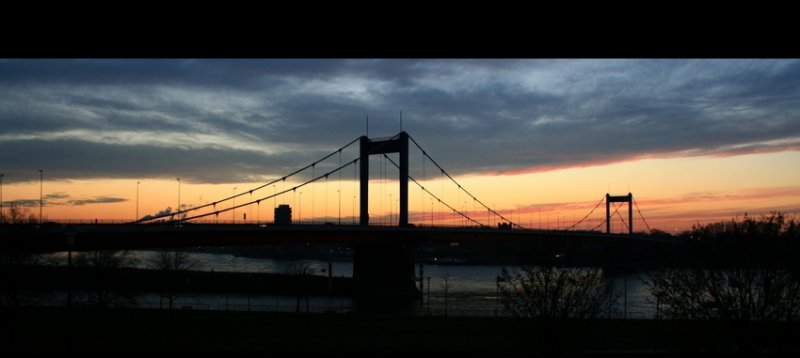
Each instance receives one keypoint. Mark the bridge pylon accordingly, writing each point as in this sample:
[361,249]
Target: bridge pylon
[396,144]
[619,199]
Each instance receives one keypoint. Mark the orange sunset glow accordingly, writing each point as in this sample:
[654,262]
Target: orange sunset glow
[543,156]
[673,194]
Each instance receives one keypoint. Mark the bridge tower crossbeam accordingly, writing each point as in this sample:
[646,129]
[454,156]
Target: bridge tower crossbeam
[396,144]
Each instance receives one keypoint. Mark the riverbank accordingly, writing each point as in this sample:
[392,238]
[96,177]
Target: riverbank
[130,330]
[49,278]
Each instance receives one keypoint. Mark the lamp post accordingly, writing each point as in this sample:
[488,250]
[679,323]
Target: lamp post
[300,208]
[431,212]
[179,196]
[41,198]
[137,201]
[339,193]
[397,205]
[233,215]
[429,295]
[274,197]
[496,295]
[2,218]
[354,211]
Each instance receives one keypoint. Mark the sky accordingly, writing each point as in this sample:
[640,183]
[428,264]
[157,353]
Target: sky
[539,140]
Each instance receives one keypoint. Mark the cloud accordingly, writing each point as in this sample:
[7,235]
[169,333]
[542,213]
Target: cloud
[230,120]
[56,195]
[68,159]
[97,200]
[28,203]
[59,199]
[742,195]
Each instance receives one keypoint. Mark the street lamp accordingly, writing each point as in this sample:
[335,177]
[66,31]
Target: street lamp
[41,198]
[300,208]
[233,215]
[339,193]
[497,295]
[2,218]
[429,295]
[137,201]
[354,210]
[431,212]
[274,197]
[498,279]
[397,205]
[179,196]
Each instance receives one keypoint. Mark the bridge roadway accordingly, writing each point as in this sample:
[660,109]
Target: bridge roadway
[53,237]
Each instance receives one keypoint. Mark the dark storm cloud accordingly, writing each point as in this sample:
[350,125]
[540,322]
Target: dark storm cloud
[231,120]
[75,159]
[217,73]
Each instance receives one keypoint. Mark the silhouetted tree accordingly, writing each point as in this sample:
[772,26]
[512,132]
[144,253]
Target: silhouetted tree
[659,233]
[173,266]
[736,293]
[103,266]
[17,214]
[447,280]
[13,289]
[13,265]
[552,297]
[301,270]
[554,292]
[743,272]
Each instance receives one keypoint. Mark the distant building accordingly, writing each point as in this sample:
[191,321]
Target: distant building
[504,226]
[283,215]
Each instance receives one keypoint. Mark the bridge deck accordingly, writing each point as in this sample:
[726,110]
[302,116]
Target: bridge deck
[133,236]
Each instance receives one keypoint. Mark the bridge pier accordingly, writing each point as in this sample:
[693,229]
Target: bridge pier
[383,278]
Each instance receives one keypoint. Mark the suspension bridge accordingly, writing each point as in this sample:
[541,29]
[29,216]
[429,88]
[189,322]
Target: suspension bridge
[383,261]
[447,219]
[448,214]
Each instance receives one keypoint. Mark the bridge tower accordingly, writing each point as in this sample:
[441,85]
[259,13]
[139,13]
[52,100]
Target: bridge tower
[619,199]
[383,272]
[396,144]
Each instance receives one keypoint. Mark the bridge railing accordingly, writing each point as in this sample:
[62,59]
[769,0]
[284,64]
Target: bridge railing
[88,221]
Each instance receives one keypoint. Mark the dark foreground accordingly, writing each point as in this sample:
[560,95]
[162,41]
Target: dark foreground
[63,330]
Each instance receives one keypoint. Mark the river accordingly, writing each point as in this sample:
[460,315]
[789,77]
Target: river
[471,289]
